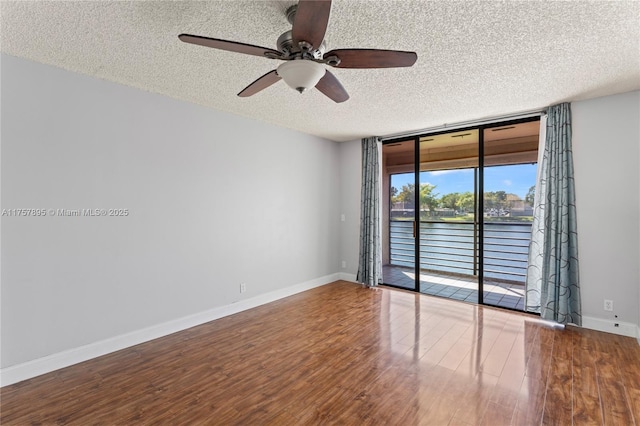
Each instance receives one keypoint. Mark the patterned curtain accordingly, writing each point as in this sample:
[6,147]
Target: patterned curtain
[370,260]
[552,284]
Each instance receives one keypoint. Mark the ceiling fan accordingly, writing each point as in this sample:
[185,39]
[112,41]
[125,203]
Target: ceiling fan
[303,50]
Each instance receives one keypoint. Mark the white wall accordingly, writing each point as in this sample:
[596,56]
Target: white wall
[606,144]
[214,200]
[350,189]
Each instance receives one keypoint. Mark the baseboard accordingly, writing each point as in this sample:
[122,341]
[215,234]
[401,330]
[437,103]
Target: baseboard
[37,367]
[347,277]
[638,334]
[609,326]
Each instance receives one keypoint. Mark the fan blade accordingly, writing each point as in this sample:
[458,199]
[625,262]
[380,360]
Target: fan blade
[261,83]
[231,46]
[372,58]
[310,23]
[330,86]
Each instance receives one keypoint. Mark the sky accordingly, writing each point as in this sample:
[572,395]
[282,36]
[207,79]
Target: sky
[513,179]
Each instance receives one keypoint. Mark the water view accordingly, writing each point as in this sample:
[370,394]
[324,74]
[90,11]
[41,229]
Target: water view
[448,226]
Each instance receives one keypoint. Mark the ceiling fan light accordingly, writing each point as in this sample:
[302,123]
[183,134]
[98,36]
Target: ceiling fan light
[301,74]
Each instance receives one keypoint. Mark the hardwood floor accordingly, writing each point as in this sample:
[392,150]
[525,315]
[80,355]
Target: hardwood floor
[343,354]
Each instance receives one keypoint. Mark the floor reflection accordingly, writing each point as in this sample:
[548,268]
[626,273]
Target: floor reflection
[468,358]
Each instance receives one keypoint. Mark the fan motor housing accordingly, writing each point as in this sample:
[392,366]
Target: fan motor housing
[287,46]
[285,42]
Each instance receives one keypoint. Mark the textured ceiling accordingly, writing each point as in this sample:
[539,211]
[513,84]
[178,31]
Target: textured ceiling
[475,59]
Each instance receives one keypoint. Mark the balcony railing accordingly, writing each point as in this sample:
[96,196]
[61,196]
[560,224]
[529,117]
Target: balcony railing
[451,247]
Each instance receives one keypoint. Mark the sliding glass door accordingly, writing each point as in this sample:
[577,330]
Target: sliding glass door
[399,214]
[447,226]
[440,237]
[509,178]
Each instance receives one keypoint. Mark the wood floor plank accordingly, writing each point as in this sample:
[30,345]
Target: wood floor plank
[615,406]
[559,391]
[560,381]
[586,396]
[497,356]
[634,403]
[497,414]
[530,405]
[472,406]
[344,354]
[457,353]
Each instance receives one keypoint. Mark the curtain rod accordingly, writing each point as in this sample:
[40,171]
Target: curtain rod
[471,123]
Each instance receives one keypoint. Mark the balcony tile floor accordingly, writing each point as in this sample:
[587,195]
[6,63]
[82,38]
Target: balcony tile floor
[457,287]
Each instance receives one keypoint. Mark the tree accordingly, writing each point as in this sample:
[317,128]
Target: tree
[466,201]
[406,195]
[393,195]
[530,195]
[428,199]
[450,201]
[490,201]
[495,200]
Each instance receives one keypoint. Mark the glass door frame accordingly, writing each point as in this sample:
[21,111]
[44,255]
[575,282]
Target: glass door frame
[478,196]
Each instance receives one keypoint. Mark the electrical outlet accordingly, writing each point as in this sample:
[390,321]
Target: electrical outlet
[608,305]
[243,288]
[344,264]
